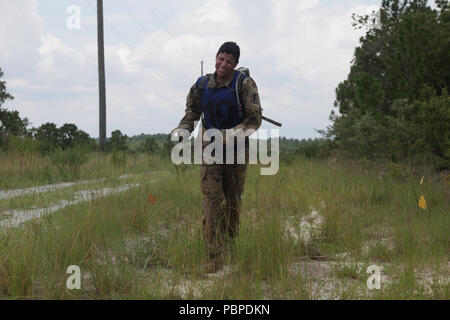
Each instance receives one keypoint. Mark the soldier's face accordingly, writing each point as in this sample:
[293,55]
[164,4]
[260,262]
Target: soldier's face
[225,64]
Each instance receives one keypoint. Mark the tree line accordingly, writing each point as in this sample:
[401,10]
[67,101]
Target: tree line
[48,138]
[394,103]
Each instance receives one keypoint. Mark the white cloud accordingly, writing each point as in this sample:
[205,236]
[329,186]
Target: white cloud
[297,51]
[216,14]
[55,54]
[20,31]
[311,48]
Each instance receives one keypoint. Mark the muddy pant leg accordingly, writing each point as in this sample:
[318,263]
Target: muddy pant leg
[233,185]
[212,206]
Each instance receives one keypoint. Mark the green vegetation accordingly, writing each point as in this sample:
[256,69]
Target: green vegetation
[394,103]
[21,170]
[130,248]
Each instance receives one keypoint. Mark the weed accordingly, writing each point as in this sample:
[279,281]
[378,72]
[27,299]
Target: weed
[69,162]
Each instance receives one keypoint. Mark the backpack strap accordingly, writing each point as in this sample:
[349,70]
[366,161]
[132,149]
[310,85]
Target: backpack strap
[201,82]
[200,85]
[239,90]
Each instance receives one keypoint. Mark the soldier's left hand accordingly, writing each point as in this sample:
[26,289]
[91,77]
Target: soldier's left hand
[234,132]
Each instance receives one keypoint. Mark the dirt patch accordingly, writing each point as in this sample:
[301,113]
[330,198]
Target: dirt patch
[50,187]
[304,229]
[19,216]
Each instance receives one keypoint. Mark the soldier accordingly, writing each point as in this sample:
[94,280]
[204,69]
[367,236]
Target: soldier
[213,97]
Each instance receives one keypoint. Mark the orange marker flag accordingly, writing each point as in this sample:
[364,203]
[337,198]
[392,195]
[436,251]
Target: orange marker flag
[151,199]
[422,203]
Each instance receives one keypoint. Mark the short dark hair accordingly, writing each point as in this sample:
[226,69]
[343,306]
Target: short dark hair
[230,48]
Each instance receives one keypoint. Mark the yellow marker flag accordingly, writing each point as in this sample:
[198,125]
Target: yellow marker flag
[422,203]
[421,181]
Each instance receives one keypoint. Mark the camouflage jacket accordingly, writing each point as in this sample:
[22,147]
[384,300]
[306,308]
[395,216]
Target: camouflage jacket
[250,100]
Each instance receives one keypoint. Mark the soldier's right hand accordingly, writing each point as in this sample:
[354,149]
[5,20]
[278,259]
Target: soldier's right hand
[178,134]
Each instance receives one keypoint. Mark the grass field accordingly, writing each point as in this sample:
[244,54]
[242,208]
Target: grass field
[309,232]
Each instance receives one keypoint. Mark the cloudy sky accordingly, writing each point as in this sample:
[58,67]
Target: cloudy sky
[297,52]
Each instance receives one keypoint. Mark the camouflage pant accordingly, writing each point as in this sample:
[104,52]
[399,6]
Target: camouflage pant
[222,186]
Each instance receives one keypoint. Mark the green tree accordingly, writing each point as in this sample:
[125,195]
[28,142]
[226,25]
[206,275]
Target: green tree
[48,136]
[10,121]
[66,137]
[71,136]
[383,111]
[118,141]
[3,94]
[167,146]
[150,145]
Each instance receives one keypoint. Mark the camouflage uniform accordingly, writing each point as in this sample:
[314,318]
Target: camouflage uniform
[222,184]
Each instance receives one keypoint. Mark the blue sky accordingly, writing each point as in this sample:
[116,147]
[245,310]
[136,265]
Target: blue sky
[297,51]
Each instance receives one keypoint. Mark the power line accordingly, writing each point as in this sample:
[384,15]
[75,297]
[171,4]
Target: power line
[140,24]
[155,73]
[121,38]
[112,27]
[158,18]
[167,30]
[175,15]
[142,27]
[151,38]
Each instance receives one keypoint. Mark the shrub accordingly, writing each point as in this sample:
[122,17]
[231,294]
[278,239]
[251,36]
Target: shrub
[69,161]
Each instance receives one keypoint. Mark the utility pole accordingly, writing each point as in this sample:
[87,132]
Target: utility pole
[202,67]
[101,77]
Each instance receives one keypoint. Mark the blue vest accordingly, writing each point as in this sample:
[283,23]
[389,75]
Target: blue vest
[220,106]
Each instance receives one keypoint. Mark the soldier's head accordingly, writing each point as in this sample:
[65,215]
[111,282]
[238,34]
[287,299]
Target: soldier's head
[227,59]
[230,48]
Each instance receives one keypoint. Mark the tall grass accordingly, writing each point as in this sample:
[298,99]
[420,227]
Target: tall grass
[26,169]
[128,247]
